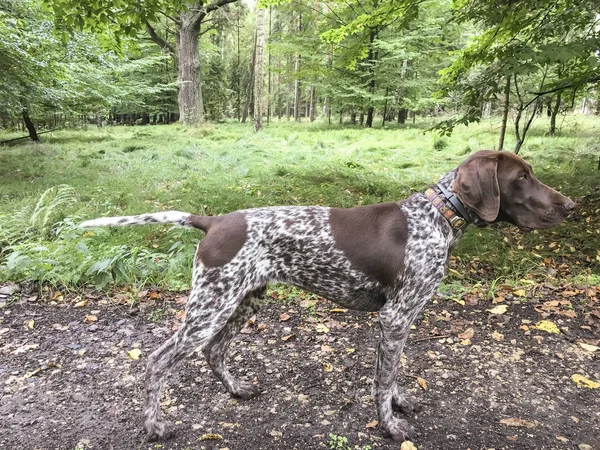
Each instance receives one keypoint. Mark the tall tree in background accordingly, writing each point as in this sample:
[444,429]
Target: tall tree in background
[125,19]
[259,69]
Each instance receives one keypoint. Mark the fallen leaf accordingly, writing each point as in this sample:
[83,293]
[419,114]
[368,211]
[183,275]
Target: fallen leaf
[582,381]
[29,324]
[80,304]
[284,317]
[588,347]
[350,350]
[372,424]
[422,383]
[520,293]
[408,445]
[58,296]
[467,334]
[515,422]
[322,328]
[154,295]
[547,326]
[338,310]
[134,353]
[497,336]
[210,437]
[288,337]
[326,348]
[89,318]
[465,342]
[500,309]
[460,301]
[262,326]
[33,373]
[327,367]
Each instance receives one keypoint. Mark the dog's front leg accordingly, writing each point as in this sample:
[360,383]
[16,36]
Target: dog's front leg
[394,327]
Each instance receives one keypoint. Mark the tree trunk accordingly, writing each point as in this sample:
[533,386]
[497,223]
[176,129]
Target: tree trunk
[191,108]
[259,69]
[554,113]
[373,56]
[297,91]
[29,124]
[402,115]
[250,84]
[504,114]
[313,104]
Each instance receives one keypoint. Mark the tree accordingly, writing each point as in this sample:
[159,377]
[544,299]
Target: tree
[544,48]
[259,75]
[123,19]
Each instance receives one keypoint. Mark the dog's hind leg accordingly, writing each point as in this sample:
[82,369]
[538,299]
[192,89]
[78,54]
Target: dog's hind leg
[201,324]
[216,350]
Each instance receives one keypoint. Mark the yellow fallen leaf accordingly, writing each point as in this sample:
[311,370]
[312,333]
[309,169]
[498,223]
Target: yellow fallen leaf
[422,383]
[460,301]
[547,326]
[372,424]
[322,328]
[582,381]
[80,304]
[33,373]
[29,324]
[520,293]
[327,367]
[210,437]
[497,336]
[407,445]
[515,422]
[350,350]
[588,347]
[500,309]
[465,342]
[134,353]
[338,310]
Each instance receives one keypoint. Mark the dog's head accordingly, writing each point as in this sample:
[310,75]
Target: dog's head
[500,186]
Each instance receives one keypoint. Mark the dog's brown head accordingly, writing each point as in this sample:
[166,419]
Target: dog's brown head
[500,186]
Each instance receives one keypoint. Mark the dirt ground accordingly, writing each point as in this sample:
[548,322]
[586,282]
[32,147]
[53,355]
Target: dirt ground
[485,380]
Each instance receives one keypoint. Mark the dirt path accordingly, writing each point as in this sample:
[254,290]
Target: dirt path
[496,382]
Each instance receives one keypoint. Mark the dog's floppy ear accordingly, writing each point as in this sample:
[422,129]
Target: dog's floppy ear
[476,185]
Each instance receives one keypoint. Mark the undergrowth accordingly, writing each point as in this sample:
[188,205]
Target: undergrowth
[80,174]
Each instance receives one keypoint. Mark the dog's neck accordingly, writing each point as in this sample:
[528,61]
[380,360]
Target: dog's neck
[449,205]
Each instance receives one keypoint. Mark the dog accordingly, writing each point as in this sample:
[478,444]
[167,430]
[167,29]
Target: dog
[386,257]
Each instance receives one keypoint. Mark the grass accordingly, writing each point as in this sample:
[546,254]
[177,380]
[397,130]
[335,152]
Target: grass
[74,175]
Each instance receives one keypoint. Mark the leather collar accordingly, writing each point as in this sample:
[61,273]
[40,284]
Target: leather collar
[449,206]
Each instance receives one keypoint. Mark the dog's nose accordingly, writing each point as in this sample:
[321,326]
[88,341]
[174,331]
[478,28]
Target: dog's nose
[569,205]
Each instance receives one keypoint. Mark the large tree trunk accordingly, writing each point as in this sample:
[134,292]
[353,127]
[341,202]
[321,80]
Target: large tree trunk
[29,124]
[373,56]
[191,108]
[250,87]
[259,69]
[297,91]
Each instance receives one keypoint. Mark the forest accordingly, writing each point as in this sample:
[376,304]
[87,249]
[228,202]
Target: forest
[67,63]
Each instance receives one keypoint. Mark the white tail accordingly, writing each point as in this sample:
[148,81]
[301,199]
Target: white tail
[174,217]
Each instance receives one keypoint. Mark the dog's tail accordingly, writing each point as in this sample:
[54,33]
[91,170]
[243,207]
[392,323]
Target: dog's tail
[175,217]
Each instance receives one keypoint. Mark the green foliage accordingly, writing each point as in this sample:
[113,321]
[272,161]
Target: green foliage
[341,443]
[218,169]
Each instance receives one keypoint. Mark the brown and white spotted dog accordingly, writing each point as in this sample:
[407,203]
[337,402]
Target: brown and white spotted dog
[388,258]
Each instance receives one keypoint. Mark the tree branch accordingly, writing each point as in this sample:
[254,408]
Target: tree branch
[159,41]
[218,4]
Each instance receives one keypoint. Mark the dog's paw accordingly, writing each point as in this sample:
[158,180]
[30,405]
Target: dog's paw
[245,390]
[406,404]
[399,430]
[158,430]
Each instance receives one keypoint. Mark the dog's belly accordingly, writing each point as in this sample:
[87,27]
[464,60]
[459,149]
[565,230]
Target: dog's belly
[346,287]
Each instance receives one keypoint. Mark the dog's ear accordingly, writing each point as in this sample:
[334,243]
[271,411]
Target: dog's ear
[476,185]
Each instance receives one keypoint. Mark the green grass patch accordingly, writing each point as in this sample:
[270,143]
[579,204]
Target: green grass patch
[74,175]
